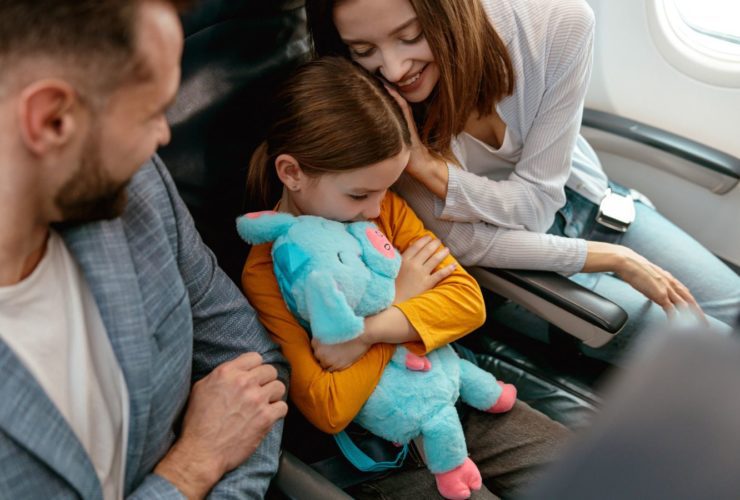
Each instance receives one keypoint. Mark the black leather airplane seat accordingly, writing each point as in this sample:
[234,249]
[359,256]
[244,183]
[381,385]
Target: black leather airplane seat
[236,52]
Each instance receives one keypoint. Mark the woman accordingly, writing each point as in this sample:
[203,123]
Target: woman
[497,90]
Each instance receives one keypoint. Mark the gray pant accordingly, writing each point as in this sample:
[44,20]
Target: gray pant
[509,449]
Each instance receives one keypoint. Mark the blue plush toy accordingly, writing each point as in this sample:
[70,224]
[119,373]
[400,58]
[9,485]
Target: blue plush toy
[332,275]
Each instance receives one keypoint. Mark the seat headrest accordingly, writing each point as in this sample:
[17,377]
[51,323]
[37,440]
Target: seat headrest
[236,53]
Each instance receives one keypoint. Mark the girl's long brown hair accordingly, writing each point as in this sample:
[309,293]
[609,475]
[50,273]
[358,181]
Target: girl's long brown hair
[331,116]
[475,67]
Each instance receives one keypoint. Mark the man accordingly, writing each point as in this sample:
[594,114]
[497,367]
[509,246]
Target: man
[110,304]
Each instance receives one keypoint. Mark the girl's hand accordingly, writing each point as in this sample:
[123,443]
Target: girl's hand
[417,274]
[423,166]
[336,357]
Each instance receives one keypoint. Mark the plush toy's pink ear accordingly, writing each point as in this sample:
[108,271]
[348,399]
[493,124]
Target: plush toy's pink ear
[261,227]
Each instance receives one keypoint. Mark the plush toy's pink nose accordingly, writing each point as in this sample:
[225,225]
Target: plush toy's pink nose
[257,215]
[380,242]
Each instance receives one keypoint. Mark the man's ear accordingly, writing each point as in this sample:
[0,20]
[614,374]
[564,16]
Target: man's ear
[48,115]
[289,171]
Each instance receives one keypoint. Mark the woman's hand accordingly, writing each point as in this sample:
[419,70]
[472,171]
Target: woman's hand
[658,285]
[336,357]
[652,281]
[417,274]
[423,166]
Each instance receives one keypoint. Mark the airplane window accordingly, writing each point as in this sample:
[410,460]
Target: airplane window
[701,38]
[714,23]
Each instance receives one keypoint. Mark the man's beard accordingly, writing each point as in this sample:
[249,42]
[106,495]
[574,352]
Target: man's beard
[90,194]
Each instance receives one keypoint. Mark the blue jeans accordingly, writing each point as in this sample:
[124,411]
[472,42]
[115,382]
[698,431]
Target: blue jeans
[715,286]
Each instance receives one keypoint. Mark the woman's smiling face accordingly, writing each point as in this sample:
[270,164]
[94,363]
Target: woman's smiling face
[385,37]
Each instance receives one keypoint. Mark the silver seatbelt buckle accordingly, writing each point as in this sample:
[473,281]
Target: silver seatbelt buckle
[616,212]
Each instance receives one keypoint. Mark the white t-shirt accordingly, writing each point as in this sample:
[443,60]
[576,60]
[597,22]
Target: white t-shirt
[52,323]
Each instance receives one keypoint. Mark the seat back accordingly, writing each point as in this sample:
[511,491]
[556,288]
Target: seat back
[236,51]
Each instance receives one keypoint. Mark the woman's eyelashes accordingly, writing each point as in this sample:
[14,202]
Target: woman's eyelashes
[364,52]
[358,197]
[368,51]
[411,41]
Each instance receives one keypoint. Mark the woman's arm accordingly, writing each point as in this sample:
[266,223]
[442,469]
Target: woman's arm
[487,245]
[482,244]
[534,191]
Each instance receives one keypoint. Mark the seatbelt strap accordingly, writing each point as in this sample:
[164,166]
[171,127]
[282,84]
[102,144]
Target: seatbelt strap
[361,460]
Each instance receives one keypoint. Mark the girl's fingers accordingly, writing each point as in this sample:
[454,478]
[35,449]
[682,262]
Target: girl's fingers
[416,246]
[428,250]
[436,259]
[443,273]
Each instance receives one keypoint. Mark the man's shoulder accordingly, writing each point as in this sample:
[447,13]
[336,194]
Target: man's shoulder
[152,196]
[152,212]
[151,182]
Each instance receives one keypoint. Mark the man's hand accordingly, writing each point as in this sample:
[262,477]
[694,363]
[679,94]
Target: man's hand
[229,413]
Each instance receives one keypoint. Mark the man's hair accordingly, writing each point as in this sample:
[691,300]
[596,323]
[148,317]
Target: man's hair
[95,38]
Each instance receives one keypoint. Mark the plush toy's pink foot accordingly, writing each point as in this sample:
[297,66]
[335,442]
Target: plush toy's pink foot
[418,363]
[506,400]
[457,483]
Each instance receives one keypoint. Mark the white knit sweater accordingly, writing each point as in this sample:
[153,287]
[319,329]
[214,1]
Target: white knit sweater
[501,201]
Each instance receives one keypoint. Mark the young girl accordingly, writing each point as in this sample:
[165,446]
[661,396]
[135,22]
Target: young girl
[497,87]
[337,142]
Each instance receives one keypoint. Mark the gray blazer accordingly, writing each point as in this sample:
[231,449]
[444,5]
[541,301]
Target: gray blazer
[172,316]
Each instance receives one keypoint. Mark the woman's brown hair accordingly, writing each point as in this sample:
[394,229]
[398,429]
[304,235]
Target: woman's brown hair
[475,67]
[331,116]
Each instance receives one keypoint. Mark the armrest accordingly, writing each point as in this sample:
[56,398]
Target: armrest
[573,308]
[295,479]
[685,148]
[679,156]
